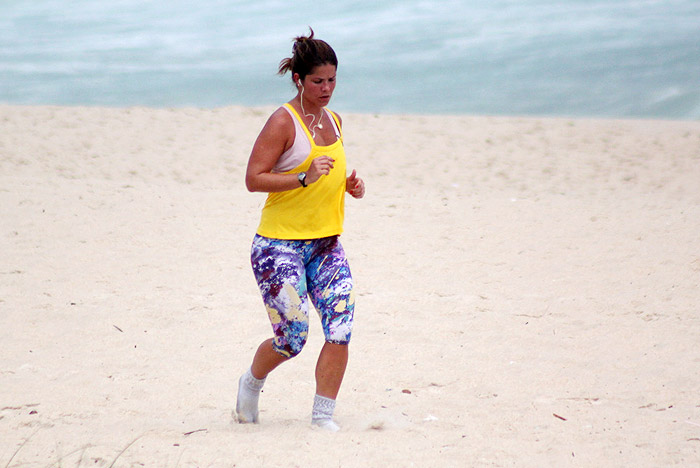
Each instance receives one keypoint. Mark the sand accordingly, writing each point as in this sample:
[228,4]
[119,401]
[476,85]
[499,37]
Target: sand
[527,294]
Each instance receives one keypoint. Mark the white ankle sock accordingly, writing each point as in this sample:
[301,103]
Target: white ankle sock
[322,413]
[248,394]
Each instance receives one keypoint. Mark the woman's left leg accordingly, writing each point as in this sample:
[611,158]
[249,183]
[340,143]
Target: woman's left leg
[331,289]
[330,369]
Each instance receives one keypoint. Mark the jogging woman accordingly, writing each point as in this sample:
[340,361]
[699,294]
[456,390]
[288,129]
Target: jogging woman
[299,160]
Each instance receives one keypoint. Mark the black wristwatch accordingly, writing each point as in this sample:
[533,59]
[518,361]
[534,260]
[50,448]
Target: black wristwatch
[302,178]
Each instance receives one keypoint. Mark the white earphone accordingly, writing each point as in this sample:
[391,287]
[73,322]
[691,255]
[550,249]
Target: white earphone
[312,127]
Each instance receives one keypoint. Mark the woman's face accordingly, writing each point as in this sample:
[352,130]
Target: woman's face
[319,85]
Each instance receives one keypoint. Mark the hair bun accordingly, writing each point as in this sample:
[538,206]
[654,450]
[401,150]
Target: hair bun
[307,53]
[305,38]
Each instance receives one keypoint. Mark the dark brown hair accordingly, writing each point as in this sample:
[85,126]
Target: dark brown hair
[307,53]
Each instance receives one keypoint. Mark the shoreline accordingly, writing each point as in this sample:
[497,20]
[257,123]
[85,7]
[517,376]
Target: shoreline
[270,108]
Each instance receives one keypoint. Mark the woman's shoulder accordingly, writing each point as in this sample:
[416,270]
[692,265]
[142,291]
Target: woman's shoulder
[279,122]
[281,116]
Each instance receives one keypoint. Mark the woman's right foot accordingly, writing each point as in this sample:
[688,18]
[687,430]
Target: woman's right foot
[248,395]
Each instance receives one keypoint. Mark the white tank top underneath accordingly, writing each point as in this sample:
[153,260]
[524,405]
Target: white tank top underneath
[301,148]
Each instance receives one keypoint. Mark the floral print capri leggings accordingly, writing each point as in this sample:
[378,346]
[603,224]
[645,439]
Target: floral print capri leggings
[288,272]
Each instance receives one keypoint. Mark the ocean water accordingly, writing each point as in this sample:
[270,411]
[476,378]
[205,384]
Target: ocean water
[597,58]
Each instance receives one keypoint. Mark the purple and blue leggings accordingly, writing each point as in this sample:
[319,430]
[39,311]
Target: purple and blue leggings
[289,272]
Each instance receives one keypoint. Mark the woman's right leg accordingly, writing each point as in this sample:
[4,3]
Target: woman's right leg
[265,360]
[279,270]
[250,384]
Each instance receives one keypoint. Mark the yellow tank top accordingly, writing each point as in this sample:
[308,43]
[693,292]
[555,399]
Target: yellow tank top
[314,211]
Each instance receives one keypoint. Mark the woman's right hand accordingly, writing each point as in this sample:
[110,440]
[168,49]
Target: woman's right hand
[319,167]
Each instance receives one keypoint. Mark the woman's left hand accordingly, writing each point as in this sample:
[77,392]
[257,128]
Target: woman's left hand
[354,185]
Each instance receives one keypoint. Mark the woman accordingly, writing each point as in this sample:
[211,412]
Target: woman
[299,159]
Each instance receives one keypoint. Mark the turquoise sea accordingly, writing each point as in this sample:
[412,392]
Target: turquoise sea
[600,58]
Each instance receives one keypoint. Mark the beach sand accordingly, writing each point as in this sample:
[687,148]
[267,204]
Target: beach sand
[527,294]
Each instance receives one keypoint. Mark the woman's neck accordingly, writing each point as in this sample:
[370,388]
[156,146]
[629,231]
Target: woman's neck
[308,107]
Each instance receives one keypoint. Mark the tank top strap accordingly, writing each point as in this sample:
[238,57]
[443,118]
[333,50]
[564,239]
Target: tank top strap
[303,125]
[336,123]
